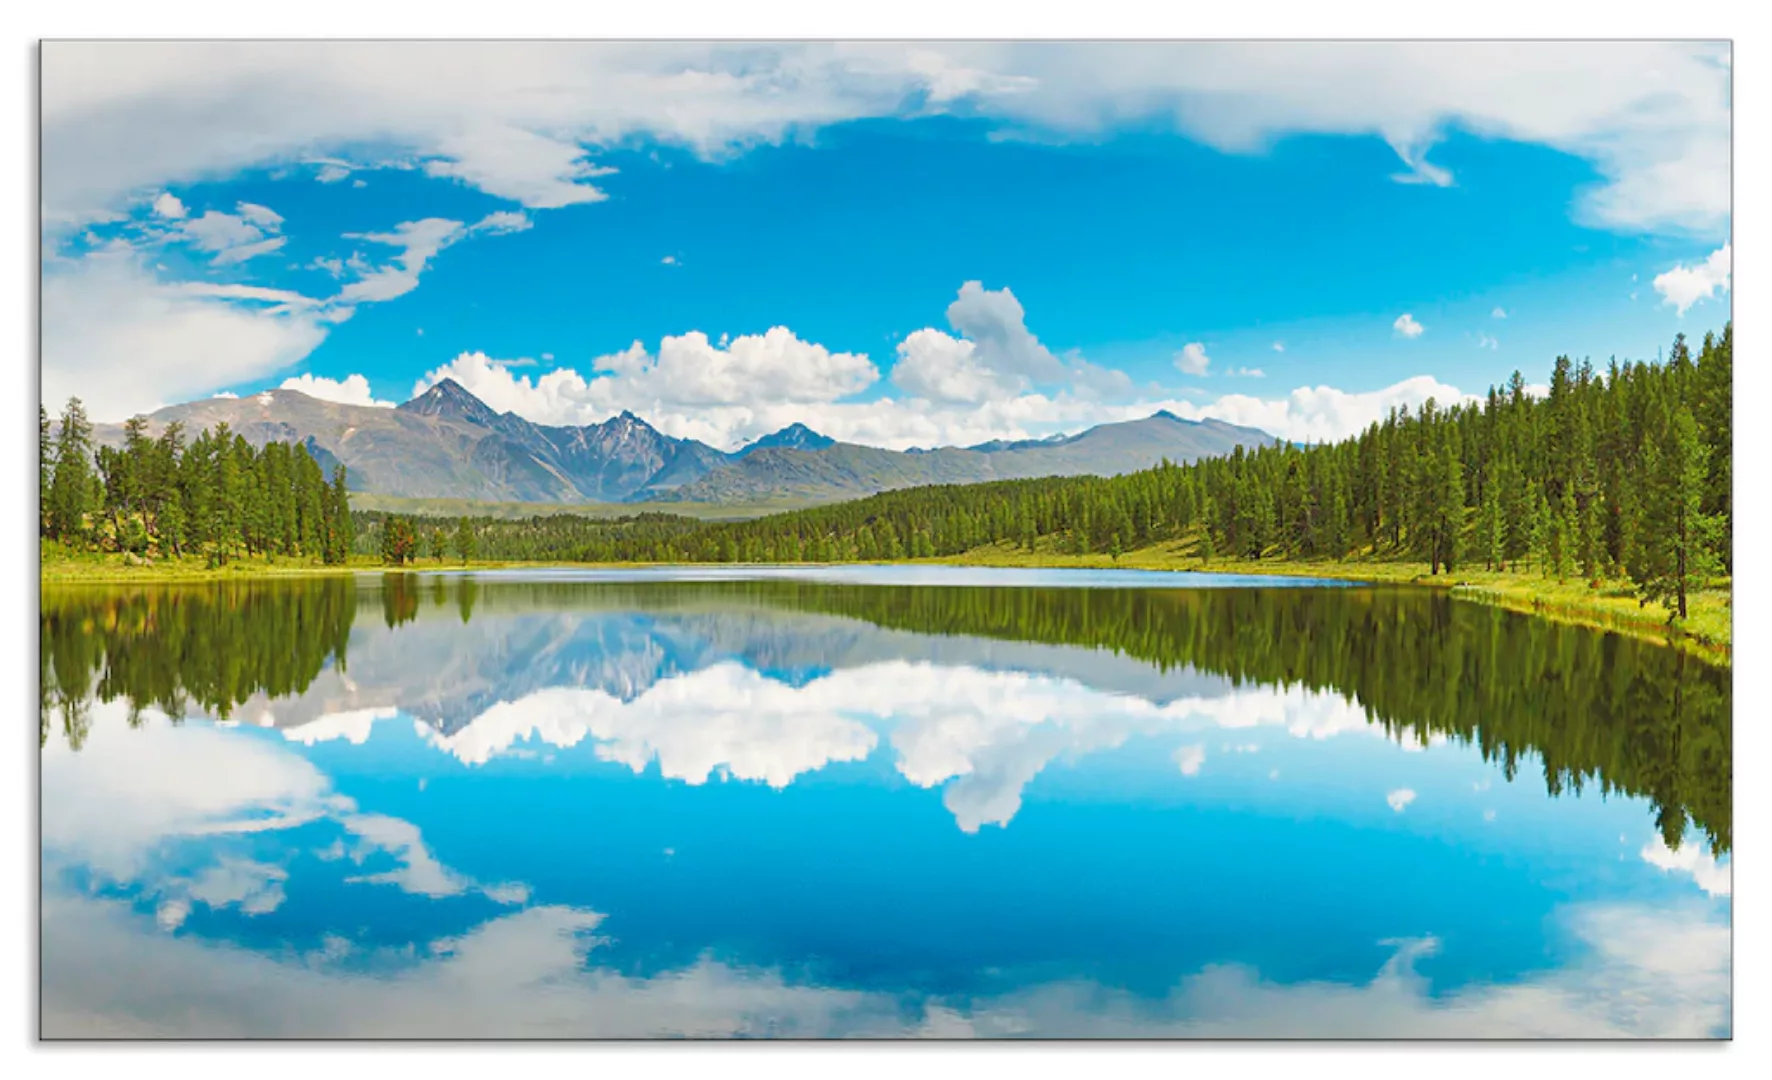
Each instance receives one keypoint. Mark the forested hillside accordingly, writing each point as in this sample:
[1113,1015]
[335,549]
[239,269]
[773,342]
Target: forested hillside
[1620,474]
[216,497]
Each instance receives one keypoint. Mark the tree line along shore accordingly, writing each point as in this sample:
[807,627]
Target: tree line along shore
[1606,496]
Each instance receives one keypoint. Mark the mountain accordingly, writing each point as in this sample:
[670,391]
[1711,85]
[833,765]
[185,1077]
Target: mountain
[844,470]
[792,437]
[447,443]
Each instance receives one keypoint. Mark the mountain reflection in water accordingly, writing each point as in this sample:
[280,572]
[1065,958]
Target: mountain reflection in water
[628,805]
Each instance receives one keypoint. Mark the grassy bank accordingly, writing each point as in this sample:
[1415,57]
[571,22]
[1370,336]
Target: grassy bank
[1609,606]
[61,567]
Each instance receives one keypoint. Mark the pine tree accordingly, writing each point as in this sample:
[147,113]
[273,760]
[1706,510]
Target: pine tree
[1562,533]
[1678,537]
[45,469]
[1540,530]
[70,486]
[340,529]
[1491,536]
[465,540]
[1449,508]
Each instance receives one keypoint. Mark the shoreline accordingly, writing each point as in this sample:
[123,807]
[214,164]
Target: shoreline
[1611,607]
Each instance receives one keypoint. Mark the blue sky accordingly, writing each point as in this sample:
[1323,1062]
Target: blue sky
[1292,236]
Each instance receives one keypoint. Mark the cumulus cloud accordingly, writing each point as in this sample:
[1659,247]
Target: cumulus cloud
[957,412]
[351,390]
[725,718]
[980,735]
[332,172]
[1406,326]
[1279,346]
[1192,359]
[1685,285]
[1498,313]
[1651,117]
[1399,799]
[113,805]
[167,205]
[1715,877]
[1321,413]
[994,356]
[691,387]
[941,368]
[996,324]
[1246,373]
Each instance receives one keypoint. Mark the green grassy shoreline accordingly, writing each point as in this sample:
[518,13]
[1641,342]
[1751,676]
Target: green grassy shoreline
[1706,632]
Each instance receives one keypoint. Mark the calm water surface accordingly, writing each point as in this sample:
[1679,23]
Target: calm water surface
[871,802]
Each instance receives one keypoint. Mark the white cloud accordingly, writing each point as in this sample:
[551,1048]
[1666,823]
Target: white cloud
[216,231]
[1484,341]
[981,735]
[1406,326]
[1192,359]
[1715,877]
[116,802]
[418,242]
[669,260]
[167,205]
[332,172]
[353,726]
[234,238]
[1279,346]
[690,385]
[994,357]
[956,412]
[248,251]
[1652,118]
[997,326]
[724,718]
[283,298]
[1246,373]
[1400,798]
[125,342]
[262,216]
[1321,413]
[502,221]
[1635,973]
[1685,285]
[939,367]
[1498,313]
[351,390]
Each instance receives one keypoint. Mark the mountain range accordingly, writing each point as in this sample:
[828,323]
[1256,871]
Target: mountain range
[447,443]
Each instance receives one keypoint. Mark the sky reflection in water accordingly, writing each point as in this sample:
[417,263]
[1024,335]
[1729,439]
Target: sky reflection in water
[546,806]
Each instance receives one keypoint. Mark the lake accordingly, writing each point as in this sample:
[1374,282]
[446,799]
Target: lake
[873,802]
